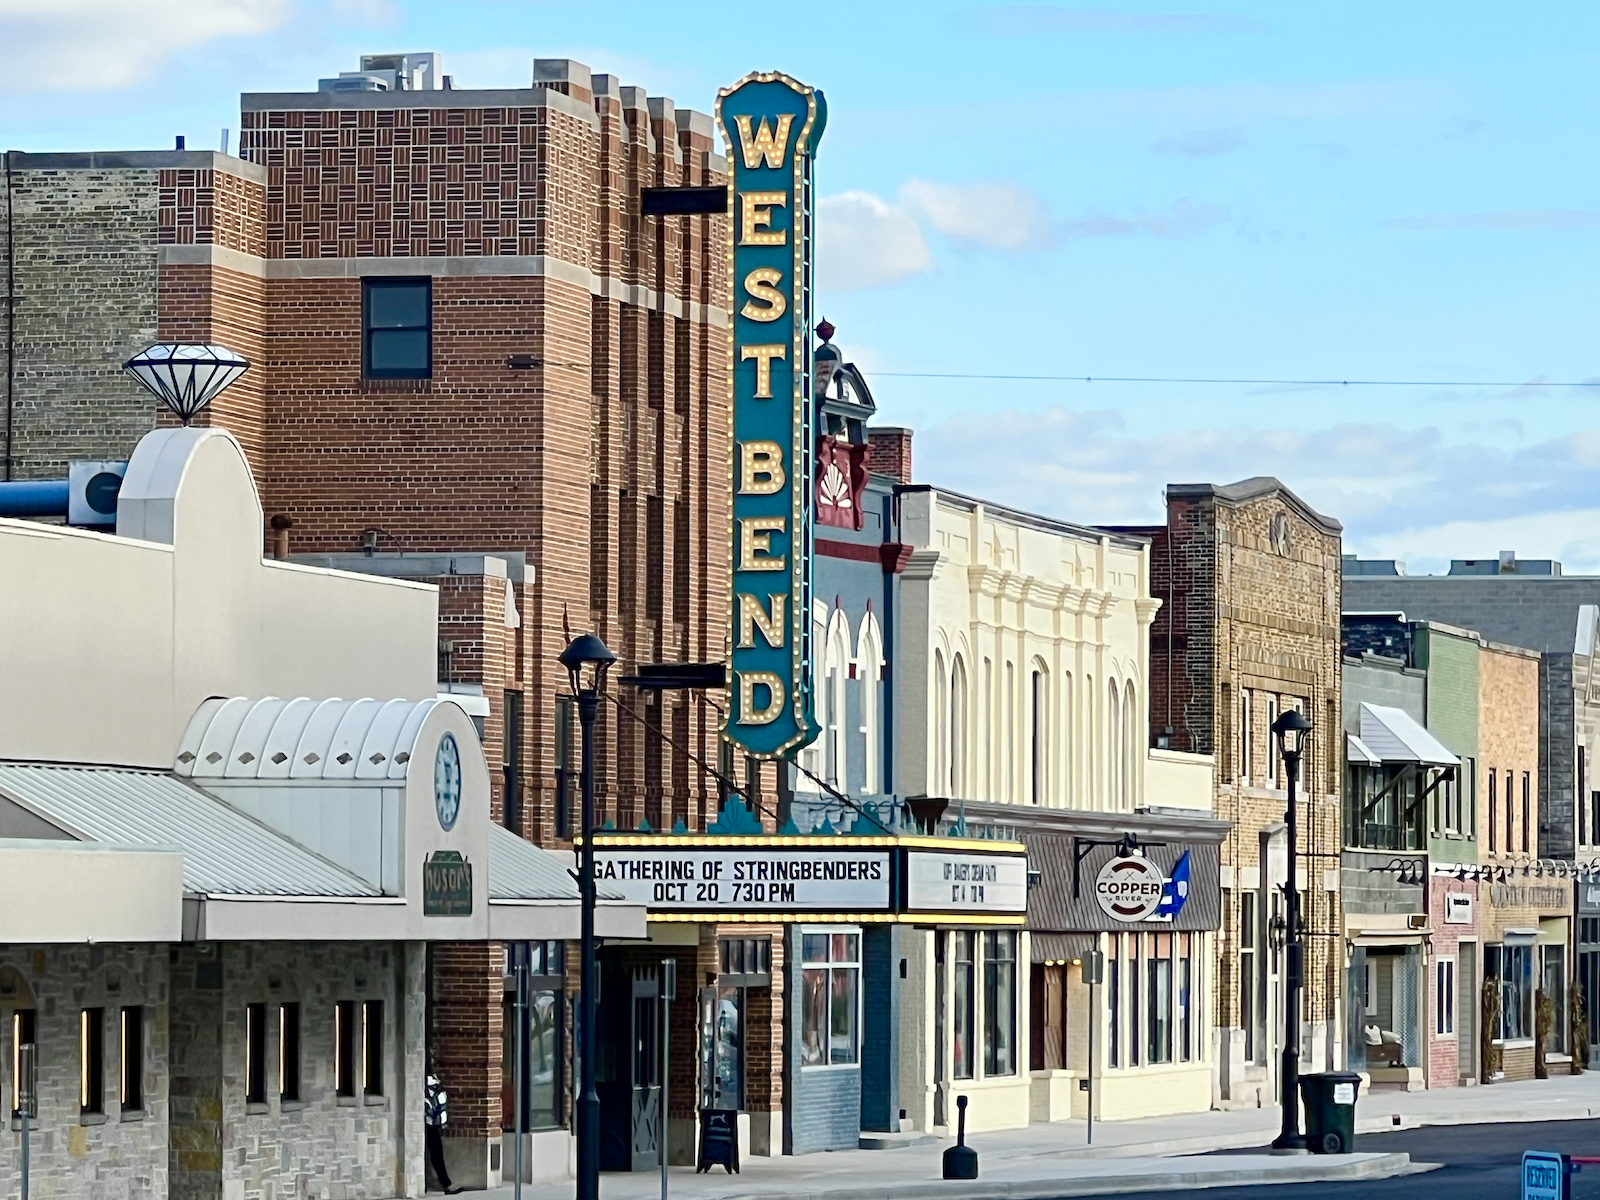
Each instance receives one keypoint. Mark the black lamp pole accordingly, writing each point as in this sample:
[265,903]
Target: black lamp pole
[587,651]
[1292,730]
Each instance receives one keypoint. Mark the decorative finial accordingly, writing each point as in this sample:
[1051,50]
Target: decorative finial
[825,329]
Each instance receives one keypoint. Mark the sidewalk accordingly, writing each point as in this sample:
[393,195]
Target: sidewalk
[1155,1154]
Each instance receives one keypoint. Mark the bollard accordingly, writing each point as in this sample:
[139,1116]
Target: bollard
[961,1160]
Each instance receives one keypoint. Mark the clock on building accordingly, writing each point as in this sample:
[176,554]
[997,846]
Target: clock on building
[447,782]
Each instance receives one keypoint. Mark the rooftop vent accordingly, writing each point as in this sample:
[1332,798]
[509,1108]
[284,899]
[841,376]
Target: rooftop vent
[418,72]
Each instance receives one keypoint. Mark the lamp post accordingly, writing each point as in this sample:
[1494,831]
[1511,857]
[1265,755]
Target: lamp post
[1292,730]
[587,660]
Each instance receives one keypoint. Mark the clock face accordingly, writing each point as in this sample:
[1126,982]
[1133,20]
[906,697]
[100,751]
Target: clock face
[447,782]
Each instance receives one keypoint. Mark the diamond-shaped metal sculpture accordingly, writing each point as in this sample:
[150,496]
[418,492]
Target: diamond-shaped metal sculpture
[186,378]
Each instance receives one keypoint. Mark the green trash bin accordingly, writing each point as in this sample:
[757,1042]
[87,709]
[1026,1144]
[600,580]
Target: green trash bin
[1330,1111]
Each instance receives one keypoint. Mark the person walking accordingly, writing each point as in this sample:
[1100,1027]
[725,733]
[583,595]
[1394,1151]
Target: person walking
[436,1115]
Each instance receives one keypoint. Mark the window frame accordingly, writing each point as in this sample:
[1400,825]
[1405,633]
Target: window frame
[255,1057]
[995,1021]
[1444,997]
[130,1061]
[829,968]
[964,1004]
[24,1032]
[344,1050]
[91,1063]
[369,284]
[372,1050]
[291,1073]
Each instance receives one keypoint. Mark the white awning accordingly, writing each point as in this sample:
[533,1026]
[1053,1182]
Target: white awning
[1395,737]
[1357,751]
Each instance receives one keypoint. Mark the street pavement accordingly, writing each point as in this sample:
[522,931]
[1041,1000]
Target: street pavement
[1479,1163]
[1167,1153]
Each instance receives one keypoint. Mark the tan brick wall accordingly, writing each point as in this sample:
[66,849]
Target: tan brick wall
[1508,741]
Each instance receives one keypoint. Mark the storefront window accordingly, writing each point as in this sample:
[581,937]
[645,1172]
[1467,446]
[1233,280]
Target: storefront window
[999,1003]
[1554,986]
[728,1071]
[1512,967]
[965,997]
[1114,1000]
[542,1066]
[1133,999]
[1186,993]
[830,979]
[1159,971]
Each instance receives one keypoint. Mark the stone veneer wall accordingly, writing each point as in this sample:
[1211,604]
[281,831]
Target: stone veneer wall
[325,1146]
[123,1157]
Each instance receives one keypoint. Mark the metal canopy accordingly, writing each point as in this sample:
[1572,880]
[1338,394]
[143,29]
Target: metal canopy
[1392,735]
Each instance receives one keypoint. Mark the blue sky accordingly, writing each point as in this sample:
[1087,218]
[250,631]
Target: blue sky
[1243,190]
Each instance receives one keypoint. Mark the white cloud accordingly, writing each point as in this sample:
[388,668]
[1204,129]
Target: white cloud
[863,242]
[97,44]
[993,216]
[1408,493]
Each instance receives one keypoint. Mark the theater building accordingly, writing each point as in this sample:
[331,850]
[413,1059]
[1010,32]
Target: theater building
[1021,668]
[237,824]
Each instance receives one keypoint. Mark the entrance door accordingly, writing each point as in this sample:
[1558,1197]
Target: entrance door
[646,1069]
[1468,1003]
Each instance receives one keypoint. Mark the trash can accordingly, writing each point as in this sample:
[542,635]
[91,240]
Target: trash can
[1330,1110]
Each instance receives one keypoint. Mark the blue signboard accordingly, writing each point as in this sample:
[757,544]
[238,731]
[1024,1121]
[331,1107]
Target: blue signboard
[771,124]
[1546,1176]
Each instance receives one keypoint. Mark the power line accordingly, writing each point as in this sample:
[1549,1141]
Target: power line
[1458,383]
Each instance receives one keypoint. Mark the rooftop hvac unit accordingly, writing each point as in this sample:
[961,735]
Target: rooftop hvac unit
[358,81]
[414,72]
[92,490]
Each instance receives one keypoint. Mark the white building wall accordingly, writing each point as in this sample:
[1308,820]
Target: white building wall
[108,643]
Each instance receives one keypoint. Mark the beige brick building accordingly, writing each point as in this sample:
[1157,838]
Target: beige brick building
[1249,579]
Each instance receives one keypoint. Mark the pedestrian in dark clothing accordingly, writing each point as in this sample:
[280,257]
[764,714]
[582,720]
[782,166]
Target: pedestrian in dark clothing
[435,1116]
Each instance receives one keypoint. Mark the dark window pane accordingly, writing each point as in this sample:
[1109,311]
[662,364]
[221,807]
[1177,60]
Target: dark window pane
[398,307]
[393,350]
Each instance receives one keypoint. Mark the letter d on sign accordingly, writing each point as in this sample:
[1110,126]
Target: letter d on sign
[749,681]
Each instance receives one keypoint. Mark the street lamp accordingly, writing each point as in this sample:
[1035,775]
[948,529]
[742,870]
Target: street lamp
[1292,730]
[587,660]
[186,378]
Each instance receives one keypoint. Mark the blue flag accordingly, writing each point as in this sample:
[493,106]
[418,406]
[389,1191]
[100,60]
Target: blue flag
[1175,892]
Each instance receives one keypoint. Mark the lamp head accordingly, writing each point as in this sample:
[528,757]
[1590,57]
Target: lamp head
[587,659]
[1292,729]
[186,378]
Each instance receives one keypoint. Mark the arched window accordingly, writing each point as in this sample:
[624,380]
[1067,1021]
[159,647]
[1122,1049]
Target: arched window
[835,702]
[869,671]
[1039,732]
[940,725]
[1113,791]
[1130,738]
[1067,736]
[958,728]
[1008,732]
[988,724]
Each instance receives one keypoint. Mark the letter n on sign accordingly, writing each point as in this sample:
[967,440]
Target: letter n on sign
[772,125]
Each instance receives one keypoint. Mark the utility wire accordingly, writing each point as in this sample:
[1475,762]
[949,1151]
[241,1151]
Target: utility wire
[1498,383]
[734,787]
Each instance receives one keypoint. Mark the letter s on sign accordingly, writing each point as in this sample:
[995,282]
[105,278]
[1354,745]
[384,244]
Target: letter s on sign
[759,285]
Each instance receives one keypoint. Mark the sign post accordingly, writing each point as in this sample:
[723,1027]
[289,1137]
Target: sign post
[1094,970]
[772,124]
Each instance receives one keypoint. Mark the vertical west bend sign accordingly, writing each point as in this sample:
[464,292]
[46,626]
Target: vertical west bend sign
[771,124]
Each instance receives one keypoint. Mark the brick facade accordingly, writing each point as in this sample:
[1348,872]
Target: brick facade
[1249,579]
[600,459]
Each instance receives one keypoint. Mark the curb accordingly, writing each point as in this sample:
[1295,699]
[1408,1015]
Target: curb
[1330,1169]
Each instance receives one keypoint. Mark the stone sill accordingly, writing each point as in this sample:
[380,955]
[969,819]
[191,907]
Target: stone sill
[91,1118]
[132,1114]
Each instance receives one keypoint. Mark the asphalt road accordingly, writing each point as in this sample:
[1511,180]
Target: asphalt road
[1482,1162]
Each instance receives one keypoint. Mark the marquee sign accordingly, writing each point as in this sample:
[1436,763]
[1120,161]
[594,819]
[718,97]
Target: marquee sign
[747,878]
[772,124]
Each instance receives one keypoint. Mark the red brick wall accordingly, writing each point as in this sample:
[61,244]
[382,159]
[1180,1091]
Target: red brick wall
[889,453]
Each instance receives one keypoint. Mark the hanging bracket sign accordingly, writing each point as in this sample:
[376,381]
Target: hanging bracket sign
[771,124]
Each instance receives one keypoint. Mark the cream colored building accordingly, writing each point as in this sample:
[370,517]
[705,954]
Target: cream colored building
[1020,671]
